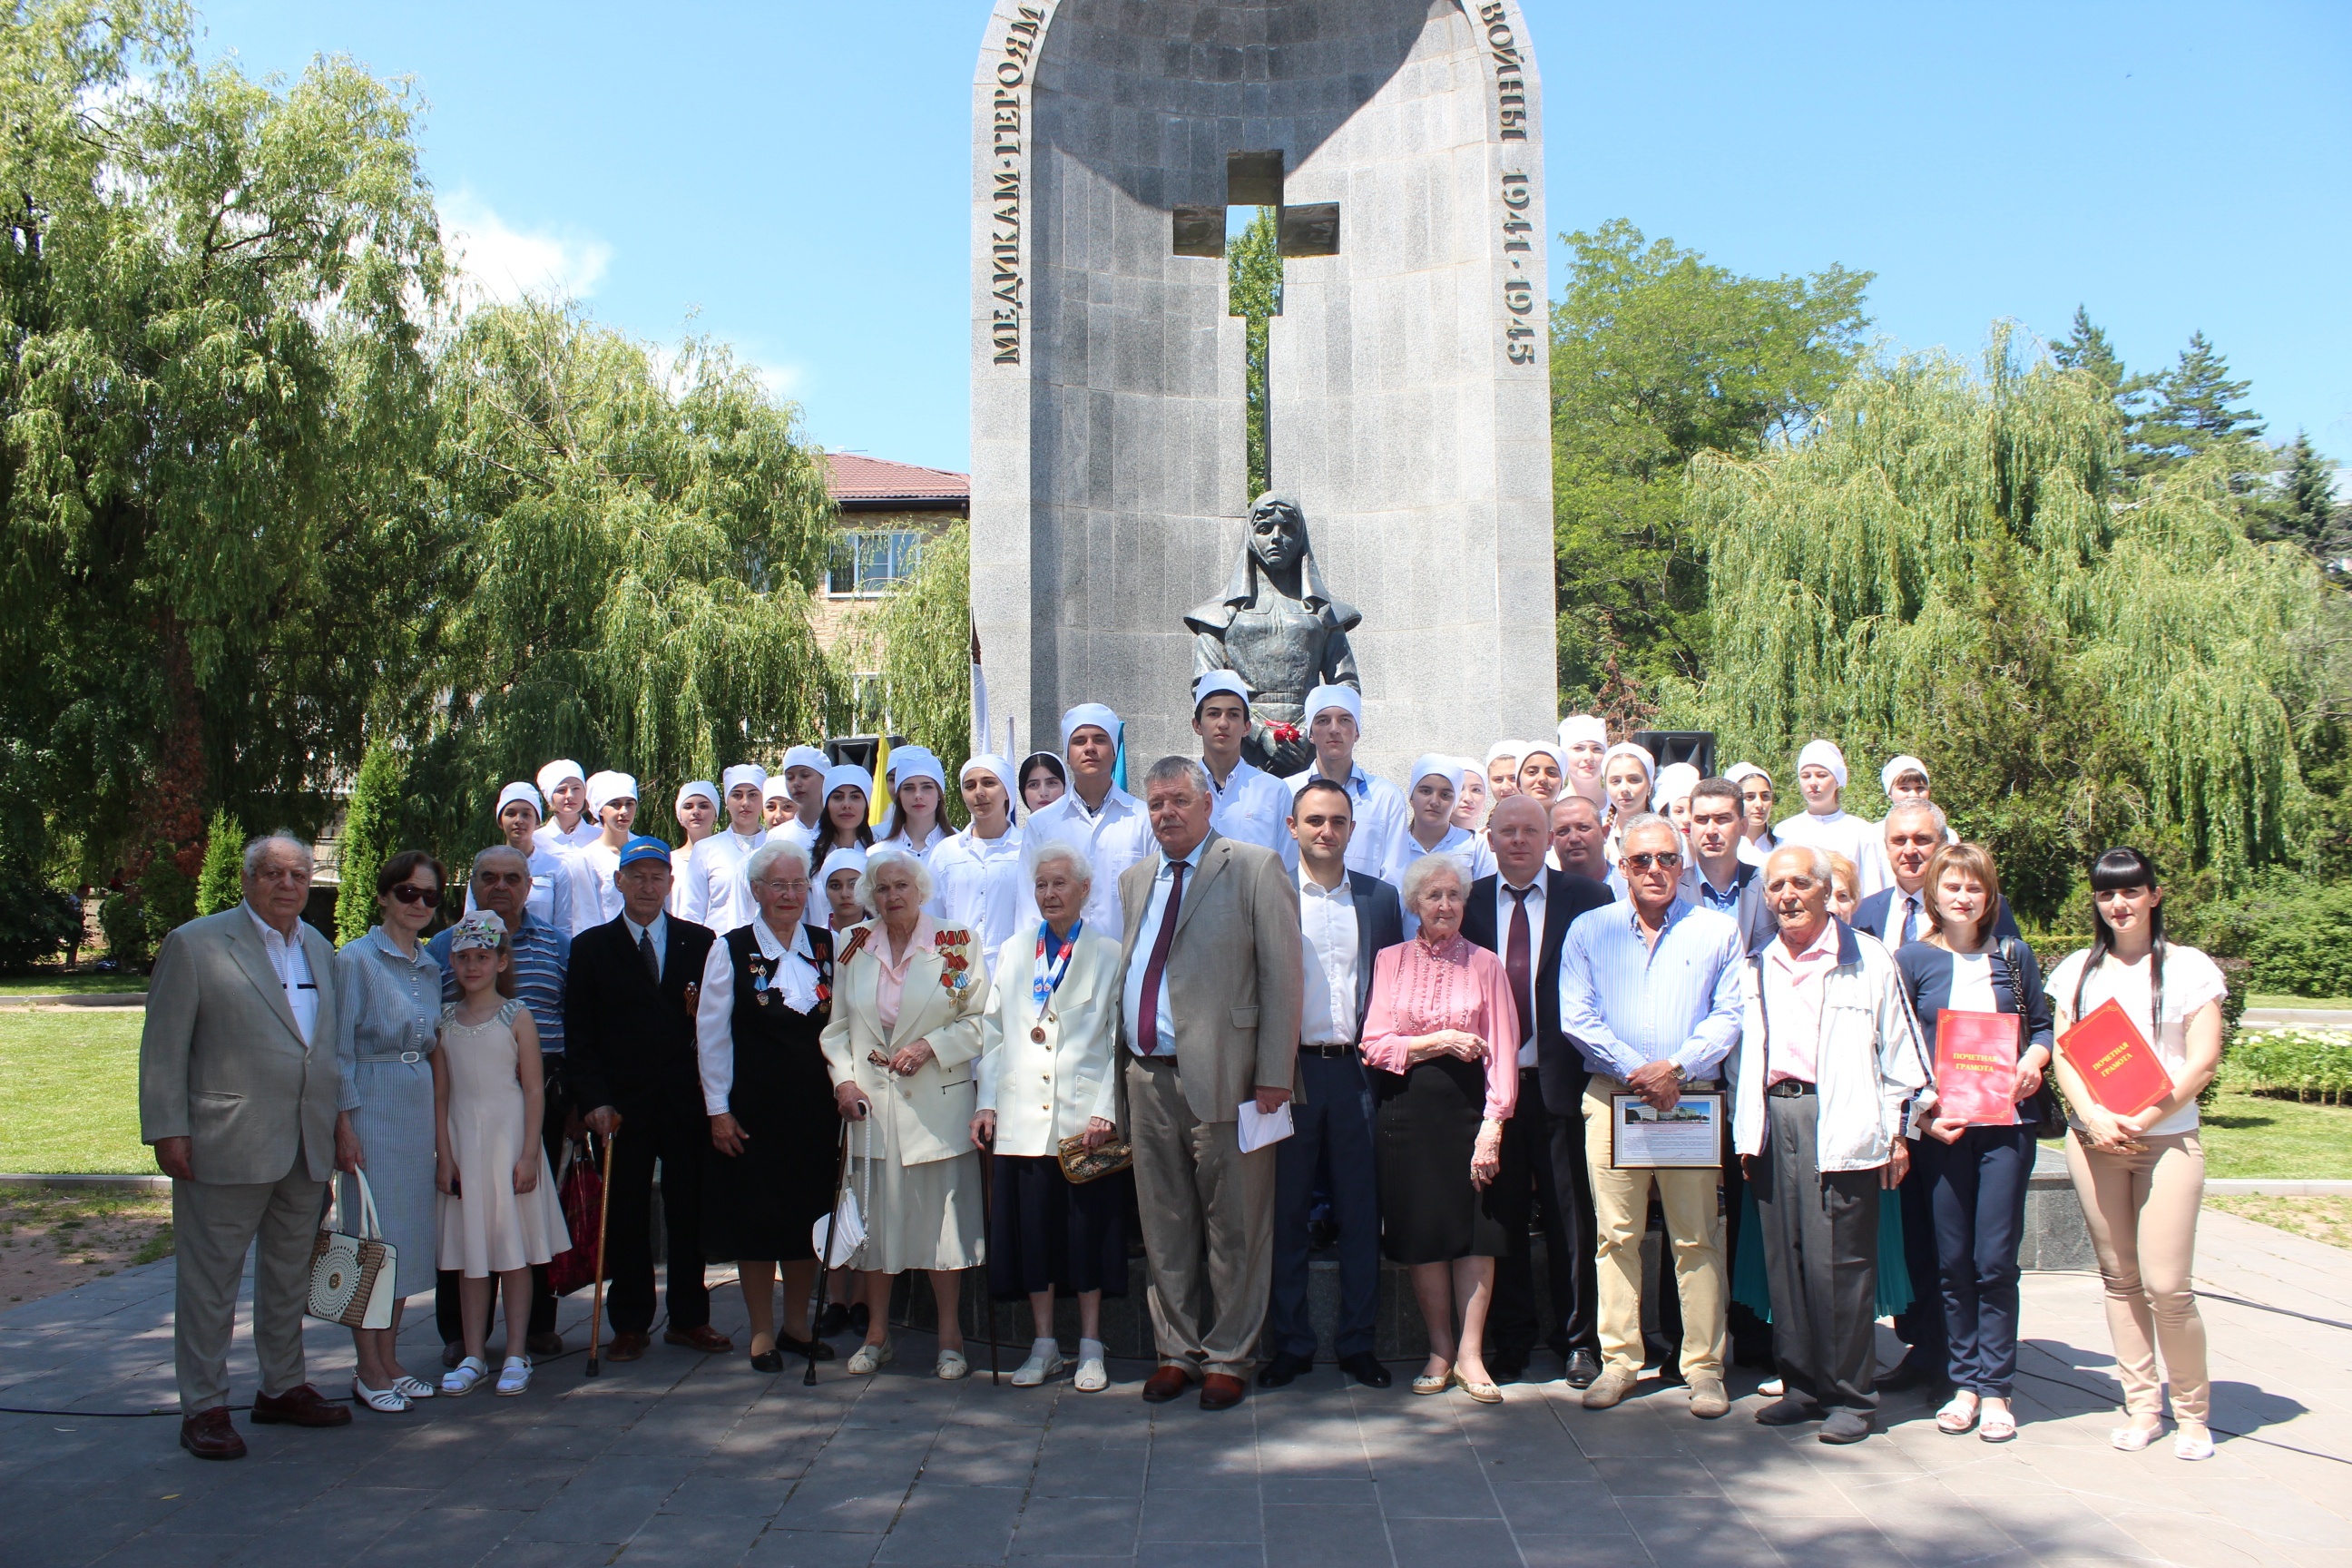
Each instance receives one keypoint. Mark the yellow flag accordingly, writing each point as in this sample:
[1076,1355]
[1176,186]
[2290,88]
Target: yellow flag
[878,807]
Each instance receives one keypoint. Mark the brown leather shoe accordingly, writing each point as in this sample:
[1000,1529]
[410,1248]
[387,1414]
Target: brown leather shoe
[626,1347]
[705,1338]
[1219,1392]
[1165,1384]
[543,1345]
[208,1435]
[303,1406]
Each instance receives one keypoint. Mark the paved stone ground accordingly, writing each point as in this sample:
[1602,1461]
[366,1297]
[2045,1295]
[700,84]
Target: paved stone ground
[680,1458]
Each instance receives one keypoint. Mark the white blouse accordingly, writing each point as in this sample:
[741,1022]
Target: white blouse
[2191,980]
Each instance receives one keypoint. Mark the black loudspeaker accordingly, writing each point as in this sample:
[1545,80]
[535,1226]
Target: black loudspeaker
[859,750]
[1695,747]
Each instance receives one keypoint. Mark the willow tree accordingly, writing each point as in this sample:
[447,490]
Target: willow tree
[634,540]
[1939,568]
[918,640]
[212,385]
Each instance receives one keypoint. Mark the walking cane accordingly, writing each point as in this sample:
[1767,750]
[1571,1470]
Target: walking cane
[603,1210]
[988,1250]
[824,1254]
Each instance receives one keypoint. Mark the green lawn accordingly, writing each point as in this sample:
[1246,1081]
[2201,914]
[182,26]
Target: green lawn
[2256,1135]
[68,985]
[2269,999]
[69,1093]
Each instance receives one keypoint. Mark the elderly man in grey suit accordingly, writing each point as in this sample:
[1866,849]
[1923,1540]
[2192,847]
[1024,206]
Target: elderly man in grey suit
[236,1092]
[1210,1012]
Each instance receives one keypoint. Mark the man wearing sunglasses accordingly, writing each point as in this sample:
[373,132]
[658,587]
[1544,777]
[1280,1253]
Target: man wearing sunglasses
[1650,989]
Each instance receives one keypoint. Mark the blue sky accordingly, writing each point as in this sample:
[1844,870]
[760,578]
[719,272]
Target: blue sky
[792,178]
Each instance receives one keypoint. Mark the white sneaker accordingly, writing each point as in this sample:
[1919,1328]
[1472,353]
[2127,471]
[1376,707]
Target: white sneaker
[515,1376]
[462,1378]
[1044,1360]
[1091,1378]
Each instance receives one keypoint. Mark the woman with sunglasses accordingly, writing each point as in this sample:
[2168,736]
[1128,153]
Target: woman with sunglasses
[387,1017]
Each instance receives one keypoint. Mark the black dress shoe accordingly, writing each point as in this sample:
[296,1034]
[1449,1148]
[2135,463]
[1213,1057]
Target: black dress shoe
[1365,1368]
[1907,1374]
[1582,1368]
[807,1349]
[768,1361]
[1503,1368]
[1283,1369]
[861,1318]
[833,1320]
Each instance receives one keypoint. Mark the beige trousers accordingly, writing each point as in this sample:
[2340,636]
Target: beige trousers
[2142,1211]
[1208,1225]
[213,1224]
[1620,1213]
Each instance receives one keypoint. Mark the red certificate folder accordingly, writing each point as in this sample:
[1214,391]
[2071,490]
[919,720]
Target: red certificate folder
[2115,1061]
[1976,1067]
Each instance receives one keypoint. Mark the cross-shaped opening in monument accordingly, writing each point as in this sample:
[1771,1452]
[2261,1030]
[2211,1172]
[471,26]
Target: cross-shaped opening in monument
[1254,230]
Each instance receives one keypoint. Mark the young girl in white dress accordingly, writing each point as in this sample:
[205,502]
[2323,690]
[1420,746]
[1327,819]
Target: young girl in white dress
[500,1211]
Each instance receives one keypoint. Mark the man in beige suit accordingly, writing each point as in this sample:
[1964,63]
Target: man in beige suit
[237,1091]
[1209,1011]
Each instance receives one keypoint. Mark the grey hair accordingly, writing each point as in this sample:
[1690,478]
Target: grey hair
[1635,823]
[1929,807]
[1170,769]
[1818,856]
[774,850]
[1417,876]
[1042,852]
[883,857]
[258,849]
[497,849]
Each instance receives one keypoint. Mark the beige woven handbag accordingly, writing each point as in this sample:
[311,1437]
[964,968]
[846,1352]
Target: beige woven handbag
[351,1275]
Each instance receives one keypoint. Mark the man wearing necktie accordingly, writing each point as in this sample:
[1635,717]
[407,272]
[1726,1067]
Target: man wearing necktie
[628,1025]
[1208,1013]
[1522,914]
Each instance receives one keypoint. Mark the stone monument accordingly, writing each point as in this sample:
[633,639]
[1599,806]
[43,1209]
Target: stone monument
[1398,141]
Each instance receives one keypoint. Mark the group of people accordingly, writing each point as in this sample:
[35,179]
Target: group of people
[1243,1016]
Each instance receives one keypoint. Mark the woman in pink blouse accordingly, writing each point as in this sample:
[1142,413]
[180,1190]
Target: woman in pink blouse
[1441,1010]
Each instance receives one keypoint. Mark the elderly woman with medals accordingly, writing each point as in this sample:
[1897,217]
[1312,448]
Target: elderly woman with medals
[1279,629]
[767,991]
[900,1047]
[1048,1105]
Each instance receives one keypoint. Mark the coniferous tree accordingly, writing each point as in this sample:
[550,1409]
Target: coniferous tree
[367,841]
[221,883]
[2195,413]
[2305,512]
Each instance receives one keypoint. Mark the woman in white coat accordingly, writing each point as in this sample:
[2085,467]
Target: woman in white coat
[908,996]
[1048,1072]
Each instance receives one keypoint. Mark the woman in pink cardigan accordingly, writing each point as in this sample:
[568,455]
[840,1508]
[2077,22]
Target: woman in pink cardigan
[1440,1038]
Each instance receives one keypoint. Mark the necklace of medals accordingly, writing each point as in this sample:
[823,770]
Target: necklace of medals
[1048,976]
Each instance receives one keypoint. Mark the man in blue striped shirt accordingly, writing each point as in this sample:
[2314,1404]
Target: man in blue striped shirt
[1650,991]
[542,957]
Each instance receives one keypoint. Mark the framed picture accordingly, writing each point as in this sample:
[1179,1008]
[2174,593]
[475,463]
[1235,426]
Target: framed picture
[1687,1138]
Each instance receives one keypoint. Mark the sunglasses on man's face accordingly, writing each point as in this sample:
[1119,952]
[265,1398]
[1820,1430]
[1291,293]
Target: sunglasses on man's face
[410,893]
[1665,860]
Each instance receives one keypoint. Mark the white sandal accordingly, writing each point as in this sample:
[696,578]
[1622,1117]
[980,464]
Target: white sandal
[872,1358]
[1044,1360]
[2192,1442]
[387,1401]
[1092,1378]
[463,1377]
[514,1377]
[414,1388]
[2134,1439]
[952,1365]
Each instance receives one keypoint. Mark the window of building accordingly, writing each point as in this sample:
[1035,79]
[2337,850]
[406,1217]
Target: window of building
[871,562]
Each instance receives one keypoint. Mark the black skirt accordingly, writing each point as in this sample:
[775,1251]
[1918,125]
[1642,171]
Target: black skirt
[762,1204]
[1045,1233]
[1428,1120]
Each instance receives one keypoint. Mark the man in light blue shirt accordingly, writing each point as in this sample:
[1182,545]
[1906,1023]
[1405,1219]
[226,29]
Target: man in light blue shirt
[1650,990]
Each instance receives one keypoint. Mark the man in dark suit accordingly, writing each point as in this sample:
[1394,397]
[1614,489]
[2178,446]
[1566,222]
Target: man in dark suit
[1521,915]
[1345,919]
[628,1025]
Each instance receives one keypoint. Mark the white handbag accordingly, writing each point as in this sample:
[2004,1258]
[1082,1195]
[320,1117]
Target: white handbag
[351,1275]
[850,1235]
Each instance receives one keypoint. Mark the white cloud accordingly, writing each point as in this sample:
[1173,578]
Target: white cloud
[505,264]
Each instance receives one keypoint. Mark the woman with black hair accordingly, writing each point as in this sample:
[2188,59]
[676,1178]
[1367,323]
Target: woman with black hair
[845,822]
[1044,781]
[2141,1177]
[1976,1175]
